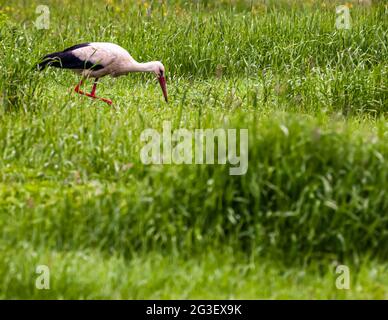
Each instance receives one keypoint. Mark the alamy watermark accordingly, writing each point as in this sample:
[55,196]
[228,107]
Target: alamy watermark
[343,20]
[43,19]
[198,146]
[342,281]
[43,280]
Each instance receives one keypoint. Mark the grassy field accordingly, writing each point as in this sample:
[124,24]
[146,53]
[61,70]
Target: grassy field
[75,196]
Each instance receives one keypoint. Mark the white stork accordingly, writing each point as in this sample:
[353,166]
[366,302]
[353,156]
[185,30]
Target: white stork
[98,59]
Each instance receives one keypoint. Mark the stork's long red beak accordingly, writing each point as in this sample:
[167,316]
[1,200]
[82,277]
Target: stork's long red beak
[162,81]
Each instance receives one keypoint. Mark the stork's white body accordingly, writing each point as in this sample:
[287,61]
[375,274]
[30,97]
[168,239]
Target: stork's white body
[116,60]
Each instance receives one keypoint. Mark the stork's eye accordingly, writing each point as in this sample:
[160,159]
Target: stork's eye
[160,72]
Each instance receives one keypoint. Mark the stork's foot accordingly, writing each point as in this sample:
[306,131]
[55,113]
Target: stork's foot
[92,95]
[106,100]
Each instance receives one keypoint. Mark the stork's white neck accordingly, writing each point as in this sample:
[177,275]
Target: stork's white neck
[135,66]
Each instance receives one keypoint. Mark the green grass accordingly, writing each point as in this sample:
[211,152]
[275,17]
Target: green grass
[91,275]
[74,194]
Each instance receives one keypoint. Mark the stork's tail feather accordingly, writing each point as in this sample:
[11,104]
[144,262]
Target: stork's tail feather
[50,59]
[41,65]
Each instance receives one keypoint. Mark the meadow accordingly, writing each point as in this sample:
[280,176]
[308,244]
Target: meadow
[75,196]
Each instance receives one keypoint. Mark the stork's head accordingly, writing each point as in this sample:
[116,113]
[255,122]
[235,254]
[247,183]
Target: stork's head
[158,69]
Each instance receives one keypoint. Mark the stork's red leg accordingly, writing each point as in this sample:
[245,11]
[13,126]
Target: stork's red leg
[93,93]
[77,87]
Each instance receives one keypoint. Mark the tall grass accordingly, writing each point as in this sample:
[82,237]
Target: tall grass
[312,189]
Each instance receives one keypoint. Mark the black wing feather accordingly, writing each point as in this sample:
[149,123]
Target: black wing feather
[67,60]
